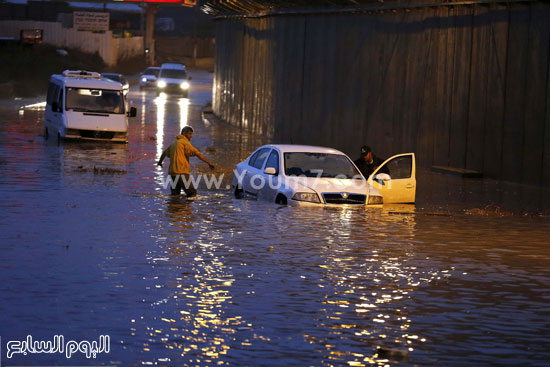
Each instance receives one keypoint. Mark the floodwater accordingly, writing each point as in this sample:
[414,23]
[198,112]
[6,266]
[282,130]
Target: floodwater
[460,279]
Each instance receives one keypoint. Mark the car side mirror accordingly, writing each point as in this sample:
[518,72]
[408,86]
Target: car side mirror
[190,78]
[270,171]
[132,112]
[382,178]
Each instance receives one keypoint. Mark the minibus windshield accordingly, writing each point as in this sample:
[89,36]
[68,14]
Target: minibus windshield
[94,100]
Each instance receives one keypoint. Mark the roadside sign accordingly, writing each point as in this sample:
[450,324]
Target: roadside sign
[91,21]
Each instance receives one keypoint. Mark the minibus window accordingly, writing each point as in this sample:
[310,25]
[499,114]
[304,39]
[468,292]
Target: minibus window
[51,93]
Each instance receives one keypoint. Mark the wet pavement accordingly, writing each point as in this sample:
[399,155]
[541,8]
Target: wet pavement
[92,244]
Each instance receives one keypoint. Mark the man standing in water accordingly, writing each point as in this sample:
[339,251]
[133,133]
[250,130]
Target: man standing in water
[179,152]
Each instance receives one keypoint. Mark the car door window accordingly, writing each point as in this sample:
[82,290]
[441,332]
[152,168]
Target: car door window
[273,161]
[55,98]
[51,93]
[399,167]
[252,160]
[260,159]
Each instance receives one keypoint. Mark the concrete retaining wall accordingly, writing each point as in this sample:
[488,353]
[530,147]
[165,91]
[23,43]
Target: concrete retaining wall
[462,86]
[110,49]
[125,48]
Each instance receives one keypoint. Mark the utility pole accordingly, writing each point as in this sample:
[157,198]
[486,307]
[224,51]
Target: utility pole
[150,11]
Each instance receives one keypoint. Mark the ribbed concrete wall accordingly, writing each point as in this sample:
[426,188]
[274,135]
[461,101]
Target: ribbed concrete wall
[463,86]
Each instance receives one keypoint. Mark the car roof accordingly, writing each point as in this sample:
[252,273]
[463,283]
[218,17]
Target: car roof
[295,148]
[92,83]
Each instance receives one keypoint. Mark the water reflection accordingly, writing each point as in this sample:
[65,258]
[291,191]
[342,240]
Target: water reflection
[194,325]
[179,213]
[183,105]
[160,101]
[166,127]
[364,301]
[220,281]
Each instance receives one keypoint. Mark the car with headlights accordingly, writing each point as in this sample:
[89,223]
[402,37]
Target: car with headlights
[173,79]
[148,77]
[118,78]
[303,175]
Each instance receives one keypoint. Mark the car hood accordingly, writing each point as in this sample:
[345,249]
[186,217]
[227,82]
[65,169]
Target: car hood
[325,185]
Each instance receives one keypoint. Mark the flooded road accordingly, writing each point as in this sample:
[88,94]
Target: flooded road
[92,244]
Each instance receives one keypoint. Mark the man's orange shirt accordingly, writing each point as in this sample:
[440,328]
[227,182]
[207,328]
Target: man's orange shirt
[179,152]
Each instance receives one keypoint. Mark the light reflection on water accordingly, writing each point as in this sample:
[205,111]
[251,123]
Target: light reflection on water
[220,281]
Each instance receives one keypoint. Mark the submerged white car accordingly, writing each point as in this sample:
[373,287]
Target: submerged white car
[300,174]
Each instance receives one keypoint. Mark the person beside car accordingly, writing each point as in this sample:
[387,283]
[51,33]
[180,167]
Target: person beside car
[179,152]
[368,162]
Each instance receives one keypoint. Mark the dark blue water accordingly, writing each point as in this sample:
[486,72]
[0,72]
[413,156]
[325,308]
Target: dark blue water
[460,279]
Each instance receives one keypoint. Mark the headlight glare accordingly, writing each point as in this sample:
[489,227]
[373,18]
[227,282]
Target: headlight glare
[306,196]
[184,85]
[375,200]
[144,80]
[161,84]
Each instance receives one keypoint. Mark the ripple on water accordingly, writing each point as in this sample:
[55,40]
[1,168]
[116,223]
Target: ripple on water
[239,282]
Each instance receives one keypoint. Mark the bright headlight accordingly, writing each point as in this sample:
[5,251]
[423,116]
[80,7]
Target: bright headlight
[144,80]
[161,84]
[184,85]
[306,196]
[375,200]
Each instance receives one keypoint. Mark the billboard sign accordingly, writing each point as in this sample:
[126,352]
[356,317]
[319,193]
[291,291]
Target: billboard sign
[90,21]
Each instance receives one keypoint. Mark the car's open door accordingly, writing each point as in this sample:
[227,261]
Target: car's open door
[399,183]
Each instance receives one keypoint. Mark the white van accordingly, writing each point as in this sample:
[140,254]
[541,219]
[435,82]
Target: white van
[84,105]
[173,79]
